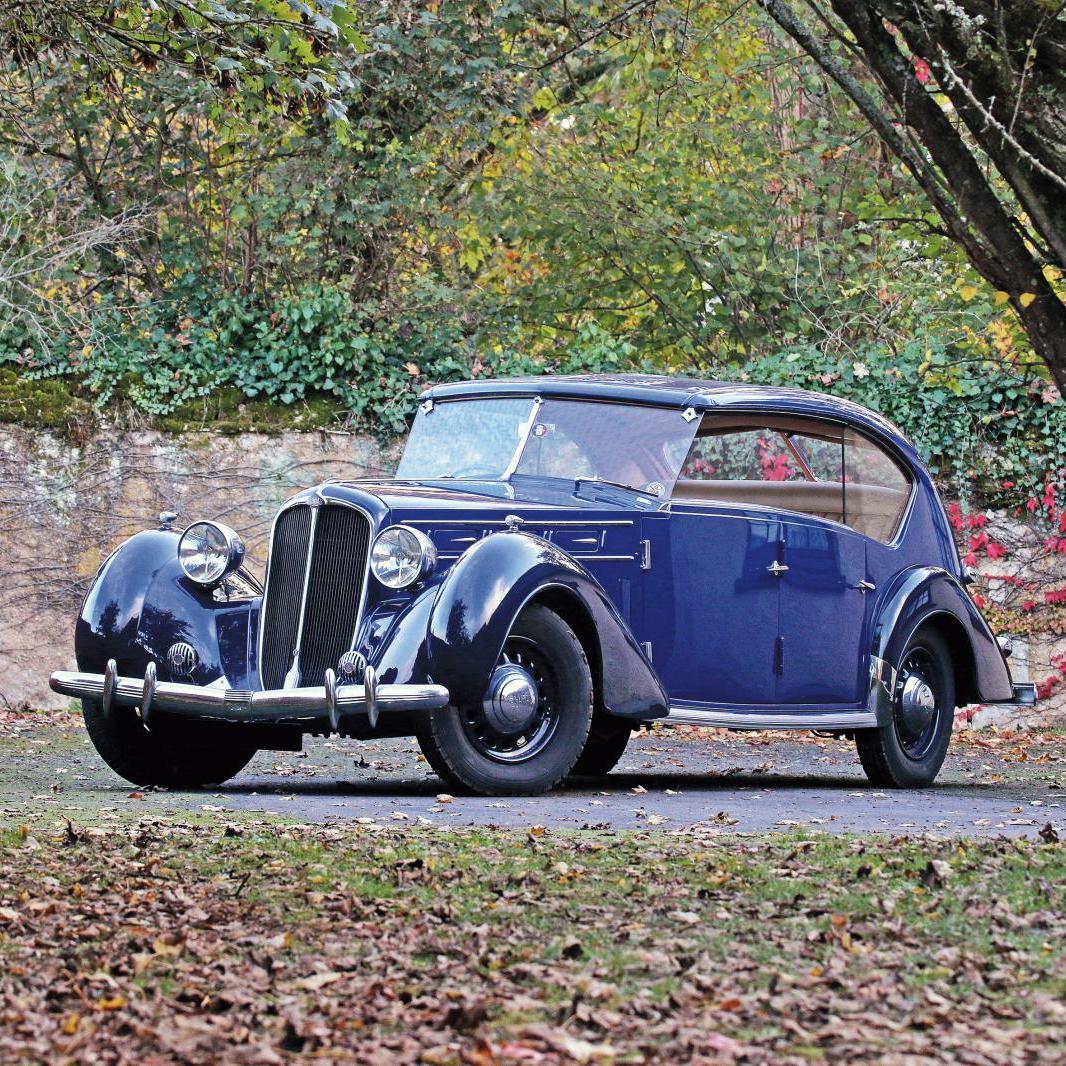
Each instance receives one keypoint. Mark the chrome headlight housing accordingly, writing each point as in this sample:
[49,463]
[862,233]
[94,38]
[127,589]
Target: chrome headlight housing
[208,551]
[402,556]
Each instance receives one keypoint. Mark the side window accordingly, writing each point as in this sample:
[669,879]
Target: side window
[792,464]
[742,455]
[876,488]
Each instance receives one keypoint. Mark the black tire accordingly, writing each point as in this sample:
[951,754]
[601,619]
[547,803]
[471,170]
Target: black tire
[464,750]
[606,744]
[167,759]
[909,751]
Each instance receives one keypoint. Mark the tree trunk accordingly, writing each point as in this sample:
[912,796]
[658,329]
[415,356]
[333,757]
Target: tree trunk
[950,175]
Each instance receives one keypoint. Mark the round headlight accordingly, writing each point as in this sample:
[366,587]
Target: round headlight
[401,556]
[208,551]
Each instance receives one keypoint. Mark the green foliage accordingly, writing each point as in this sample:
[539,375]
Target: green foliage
[251,212]
[977,421]
[170,360]
[314,358]
[249,53]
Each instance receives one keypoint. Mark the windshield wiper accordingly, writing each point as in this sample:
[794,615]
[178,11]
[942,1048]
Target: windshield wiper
[609,484]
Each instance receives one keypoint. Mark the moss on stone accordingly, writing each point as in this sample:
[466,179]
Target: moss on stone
[58,404]
[65,407]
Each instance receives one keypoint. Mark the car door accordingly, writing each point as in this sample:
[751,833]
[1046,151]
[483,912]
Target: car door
[823,603]
[711,603]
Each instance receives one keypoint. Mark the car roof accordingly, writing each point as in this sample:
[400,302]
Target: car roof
[665,391]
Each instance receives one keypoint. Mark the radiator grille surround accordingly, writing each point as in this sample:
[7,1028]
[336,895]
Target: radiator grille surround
[317,567]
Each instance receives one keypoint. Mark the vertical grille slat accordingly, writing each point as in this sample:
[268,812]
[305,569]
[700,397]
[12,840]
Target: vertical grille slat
[334,590]
[285,582]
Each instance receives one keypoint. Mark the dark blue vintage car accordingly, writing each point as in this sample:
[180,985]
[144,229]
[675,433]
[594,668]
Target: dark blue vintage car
[557,562]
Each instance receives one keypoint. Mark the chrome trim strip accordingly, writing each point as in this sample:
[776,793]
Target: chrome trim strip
[765,718]
[578,557]
[293,706]
[548,523]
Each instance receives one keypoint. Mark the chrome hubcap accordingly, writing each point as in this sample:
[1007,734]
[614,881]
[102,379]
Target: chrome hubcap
[917,704]
[519,713]
[511,701]
[917,713]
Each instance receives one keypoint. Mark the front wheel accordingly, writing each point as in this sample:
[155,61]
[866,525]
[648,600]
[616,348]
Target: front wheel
[606,745]
[526,734]
[146,758]
[908,751]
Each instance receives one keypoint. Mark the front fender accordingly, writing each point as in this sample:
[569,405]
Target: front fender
[925,594]
[482,594]
[140,603]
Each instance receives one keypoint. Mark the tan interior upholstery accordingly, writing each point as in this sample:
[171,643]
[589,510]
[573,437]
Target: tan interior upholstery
[871,509]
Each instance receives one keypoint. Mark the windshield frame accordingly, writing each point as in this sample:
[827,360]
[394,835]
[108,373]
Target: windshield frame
[658,453]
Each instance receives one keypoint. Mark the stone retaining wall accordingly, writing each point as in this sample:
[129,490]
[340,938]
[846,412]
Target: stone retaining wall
[63,507]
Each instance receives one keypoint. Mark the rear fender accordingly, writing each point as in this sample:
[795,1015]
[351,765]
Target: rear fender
[928,595]
[140,603]
[481,596]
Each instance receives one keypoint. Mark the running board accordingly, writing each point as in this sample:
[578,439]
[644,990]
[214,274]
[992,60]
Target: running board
[827,720]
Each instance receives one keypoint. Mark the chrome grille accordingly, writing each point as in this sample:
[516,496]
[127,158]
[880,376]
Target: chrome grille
[334,590]
[330,590]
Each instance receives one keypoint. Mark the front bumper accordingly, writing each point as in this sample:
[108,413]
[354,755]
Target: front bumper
[310,708]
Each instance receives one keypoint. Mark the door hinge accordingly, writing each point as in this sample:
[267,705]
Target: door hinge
[779,656]
[645,555]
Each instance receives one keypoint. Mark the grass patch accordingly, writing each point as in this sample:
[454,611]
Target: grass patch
[241,941]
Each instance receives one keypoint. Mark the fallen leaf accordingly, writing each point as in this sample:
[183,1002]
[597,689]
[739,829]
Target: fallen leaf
[318,980]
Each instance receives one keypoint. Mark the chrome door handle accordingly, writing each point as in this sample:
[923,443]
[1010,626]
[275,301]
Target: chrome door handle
[865,586]
[777,569]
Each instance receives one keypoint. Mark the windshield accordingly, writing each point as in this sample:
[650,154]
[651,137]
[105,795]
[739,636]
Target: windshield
[466,439]
[640,448]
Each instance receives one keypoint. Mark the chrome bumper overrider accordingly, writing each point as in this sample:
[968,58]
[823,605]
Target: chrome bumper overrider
[292,706]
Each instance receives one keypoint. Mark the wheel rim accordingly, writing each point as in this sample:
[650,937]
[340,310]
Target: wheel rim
[917,705]
[504,737]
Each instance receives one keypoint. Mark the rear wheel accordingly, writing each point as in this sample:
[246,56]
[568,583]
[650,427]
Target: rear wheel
[909,750]
[187,760]
[528,732]
[604,748]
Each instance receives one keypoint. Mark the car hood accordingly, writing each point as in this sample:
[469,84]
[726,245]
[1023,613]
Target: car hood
[380,494]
